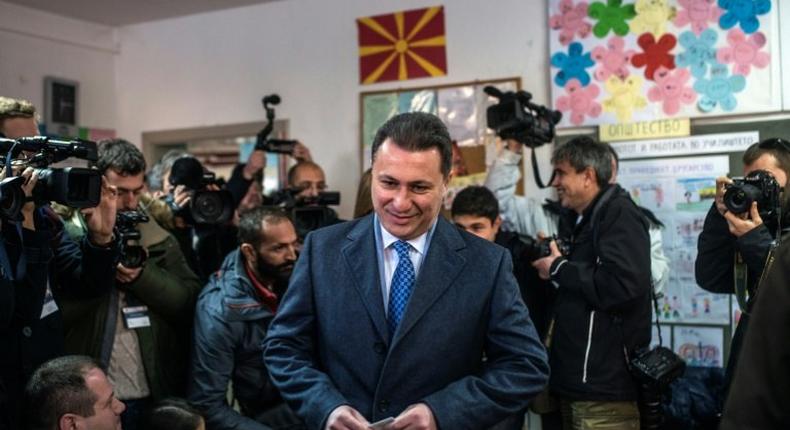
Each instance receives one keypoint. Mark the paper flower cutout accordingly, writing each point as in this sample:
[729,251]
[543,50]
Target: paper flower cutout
[580,101]
[572,65]
[671,89]
[744,12]
[612,59]
[611,16]
[625,97]
[656,54]
[744,52]
[570,21]
[698,13]
[719,89]
[700,51]
[651,16]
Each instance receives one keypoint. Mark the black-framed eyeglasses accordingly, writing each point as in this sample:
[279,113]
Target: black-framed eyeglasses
[775,143]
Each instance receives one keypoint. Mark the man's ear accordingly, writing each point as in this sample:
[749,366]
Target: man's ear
[68,422]
[497,223]
[248,252]
[589,174]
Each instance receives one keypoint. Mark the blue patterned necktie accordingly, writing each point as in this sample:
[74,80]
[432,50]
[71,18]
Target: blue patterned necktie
[401,286]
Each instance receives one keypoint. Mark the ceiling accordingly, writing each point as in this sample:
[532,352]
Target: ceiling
[124,12]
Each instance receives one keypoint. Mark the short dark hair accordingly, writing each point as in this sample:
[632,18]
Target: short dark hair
[172,414]
[300,165]
[417,131]
[583,152]
[777,147]
[476,200]
[251,223]
[121,156]
[58,388]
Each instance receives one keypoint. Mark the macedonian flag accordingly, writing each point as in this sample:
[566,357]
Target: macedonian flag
[402,45]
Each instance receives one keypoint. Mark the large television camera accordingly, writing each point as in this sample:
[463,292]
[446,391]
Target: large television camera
[75,187]
[516,117]
[263,142]
[206,206]
[307,213]
[759,186]
[132,254]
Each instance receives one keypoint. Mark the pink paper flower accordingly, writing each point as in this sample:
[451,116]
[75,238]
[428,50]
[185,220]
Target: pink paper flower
[671,89]
[571,21]
[612,59]
[698,13]
[744,51]
[580,101]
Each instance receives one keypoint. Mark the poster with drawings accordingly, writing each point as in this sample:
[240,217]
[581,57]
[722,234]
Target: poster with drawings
[680,192]
[700,346]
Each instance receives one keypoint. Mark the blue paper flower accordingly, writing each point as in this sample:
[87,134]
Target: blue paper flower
[744,12]
[572,65]
[700,52]
[719,89]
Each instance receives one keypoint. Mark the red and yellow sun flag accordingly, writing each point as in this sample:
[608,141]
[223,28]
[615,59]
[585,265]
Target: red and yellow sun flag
[402,45]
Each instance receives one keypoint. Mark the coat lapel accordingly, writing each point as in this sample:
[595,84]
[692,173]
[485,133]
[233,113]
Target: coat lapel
[438,270]
[360,254]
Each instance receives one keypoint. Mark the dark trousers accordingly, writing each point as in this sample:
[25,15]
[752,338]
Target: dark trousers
[130,418]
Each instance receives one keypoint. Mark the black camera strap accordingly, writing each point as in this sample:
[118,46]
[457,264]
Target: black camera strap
[536,172]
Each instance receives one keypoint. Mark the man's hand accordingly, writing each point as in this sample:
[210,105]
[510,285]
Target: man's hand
[126,275]
[514,145]
[302,153]
[181,196]
[346,418]
[415,417]
[544,264]
[29,208]
[255,164]
[101,219]
[742,225]
[721,187]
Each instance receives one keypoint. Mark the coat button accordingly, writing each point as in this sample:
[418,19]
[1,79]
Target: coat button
[27,331]
[379,348]
[384,405]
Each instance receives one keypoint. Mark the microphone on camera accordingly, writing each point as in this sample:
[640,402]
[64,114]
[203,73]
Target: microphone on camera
[271,99]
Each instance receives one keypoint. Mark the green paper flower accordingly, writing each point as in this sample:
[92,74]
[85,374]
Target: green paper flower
[612,16]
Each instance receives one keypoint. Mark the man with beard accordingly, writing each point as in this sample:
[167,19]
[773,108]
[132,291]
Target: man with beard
[231,321]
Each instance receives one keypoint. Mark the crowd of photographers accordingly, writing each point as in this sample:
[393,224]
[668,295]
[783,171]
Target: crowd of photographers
[124,288]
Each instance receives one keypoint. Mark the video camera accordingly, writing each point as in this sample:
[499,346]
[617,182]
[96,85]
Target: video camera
[132,254]
[310,213]
[75,187]
[759,186]
[280,146]
[206,206]
[516,117]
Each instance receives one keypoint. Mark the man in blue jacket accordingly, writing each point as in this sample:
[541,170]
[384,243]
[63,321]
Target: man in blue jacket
[231,319]
[400,318]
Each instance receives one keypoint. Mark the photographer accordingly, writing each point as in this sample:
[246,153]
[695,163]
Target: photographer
[41,267]
[306,198]
[603,307]
[140,328]
[739,243]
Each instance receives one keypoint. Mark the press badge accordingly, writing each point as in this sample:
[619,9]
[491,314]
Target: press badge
[50,307]
[136,317]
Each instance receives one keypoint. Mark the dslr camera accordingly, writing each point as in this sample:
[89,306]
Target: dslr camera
[132,254]
[307,214]
[759,186]
[535,249]
[206,206]
[263,142]
[75,187]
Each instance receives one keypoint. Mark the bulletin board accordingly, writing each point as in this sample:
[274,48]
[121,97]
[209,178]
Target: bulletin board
[615,61]
[461,106]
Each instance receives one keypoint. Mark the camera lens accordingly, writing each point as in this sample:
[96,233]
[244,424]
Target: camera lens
[738,198]
[207,206]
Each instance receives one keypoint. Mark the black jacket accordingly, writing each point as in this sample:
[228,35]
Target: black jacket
[760,392]
[602,308]
[230,325]
[73,270]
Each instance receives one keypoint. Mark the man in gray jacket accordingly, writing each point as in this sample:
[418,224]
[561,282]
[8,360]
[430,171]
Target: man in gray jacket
[231,321]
